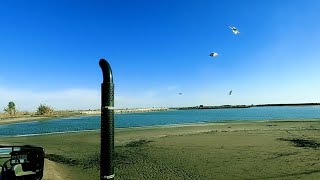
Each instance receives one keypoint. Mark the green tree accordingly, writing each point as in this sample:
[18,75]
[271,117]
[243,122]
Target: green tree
[11,108]
[44,109]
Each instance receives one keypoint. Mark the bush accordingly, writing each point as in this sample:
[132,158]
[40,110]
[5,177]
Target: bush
[44,110]
[11,108]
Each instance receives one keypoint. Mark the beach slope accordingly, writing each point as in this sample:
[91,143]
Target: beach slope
[233,150]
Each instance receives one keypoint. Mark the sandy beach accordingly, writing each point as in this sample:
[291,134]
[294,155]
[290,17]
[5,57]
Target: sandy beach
[20,119]
[231,150]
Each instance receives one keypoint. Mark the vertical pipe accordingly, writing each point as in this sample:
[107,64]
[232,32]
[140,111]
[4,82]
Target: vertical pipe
[107,122]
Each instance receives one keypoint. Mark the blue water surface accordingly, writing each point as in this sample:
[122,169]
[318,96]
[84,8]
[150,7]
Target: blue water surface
[163,118]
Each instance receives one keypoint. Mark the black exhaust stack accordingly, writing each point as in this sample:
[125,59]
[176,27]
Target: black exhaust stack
[107,122]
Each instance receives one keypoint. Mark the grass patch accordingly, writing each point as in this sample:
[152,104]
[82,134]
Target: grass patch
[92,161]
[126,155]
[302,142]
[62,159]
[137,143]
[282,154]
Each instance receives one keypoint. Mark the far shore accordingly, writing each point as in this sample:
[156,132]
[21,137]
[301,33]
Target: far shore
[32,117]
[25,117]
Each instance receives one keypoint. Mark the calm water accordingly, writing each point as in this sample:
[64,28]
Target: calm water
[162,118]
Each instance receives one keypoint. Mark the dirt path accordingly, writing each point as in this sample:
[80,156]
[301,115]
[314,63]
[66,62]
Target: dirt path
[55,171]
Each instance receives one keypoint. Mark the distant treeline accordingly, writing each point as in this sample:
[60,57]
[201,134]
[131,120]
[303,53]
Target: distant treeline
[297,104]
[213,107]
[243,106]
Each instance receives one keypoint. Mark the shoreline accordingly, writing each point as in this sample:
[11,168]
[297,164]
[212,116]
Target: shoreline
[176,126]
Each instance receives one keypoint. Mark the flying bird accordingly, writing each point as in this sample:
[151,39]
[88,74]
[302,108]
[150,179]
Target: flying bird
[234,29]
[230,92]
[180,93]
[213,54]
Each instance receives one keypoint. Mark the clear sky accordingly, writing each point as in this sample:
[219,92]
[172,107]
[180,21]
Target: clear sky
[49,52]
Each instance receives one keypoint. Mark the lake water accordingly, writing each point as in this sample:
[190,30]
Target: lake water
[162,118]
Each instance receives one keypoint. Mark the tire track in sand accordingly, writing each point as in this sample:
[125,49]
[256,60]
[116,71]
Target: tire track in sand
[54,171]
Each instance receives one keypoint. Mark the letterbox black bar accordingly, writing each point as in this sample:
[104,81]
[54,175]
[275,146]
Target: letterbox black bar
[107,122]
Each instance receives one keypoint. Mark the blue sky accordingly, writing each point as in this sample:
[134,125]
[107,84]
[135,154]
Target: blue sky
[49,52]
